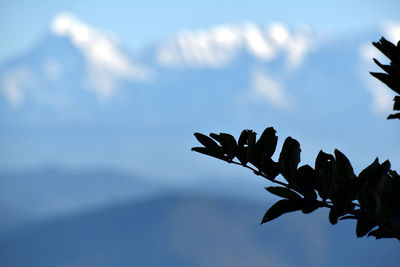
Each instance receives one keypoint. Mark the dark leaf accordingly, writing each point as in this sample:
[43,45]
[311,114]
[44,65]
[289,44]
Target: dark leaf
[269,168]
[242,147]
[364,225]
[207,141]
[335,213]
[345,192]
[391,184]
[216,137]
[370,201]
[343,170]
[333,216]
[381,232]
[387,68]
[208,152]
[251,148]
[281,207]
[266,145]
[369,172]
[310,206]
[348,217]
[323,159]
[289,158]
[229,145]
[283,192]
[374,174]
[304,181]
[324,167]
[387,79]
[384,169]
[394,116]
[396,105]
[388,49]
[396,222]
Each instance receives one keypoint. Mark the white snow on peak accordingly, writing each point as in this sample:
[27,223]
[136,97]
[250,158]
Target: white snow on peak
[106,63]
[217,46]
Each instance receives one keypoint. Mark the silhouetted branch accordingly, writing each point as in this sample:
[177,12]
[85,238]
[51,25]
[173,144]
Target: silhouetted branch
[372,198]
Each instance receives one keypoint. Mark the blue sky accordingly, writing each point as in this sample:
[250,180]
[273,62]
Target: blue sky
[139,23]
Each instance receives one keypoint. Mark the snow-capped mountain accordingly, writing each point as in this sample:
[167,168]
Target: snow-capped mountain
[78,98]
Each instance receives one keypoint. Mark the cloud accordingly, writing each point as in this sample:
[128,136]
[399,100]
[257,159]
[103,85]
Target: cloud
[218,46]
[367,52]
[106,63]
[14,83]
[381,96]
[392,31]
[264,87]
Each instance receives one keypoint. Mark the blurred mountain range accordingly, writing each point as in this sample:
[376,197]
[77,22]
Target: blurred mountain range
[182,230]
[48,192]
[95,160]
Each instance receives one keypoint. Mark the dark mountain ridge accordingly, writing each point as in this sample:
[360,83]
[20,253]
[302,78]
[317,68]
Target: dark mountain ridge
[182,230]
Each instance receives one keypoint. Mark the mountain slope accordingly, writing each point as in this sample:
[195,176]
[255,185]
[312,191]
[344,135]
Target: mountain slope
[33,195]
[192,231]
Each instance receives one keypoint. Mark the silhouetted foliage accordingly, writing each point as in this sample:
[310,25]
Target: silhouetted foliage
[372,197]
[391,77]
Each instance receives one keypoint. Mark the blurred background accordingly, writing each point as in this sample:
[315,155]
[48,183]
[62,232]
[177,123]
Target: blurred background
[99,102]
